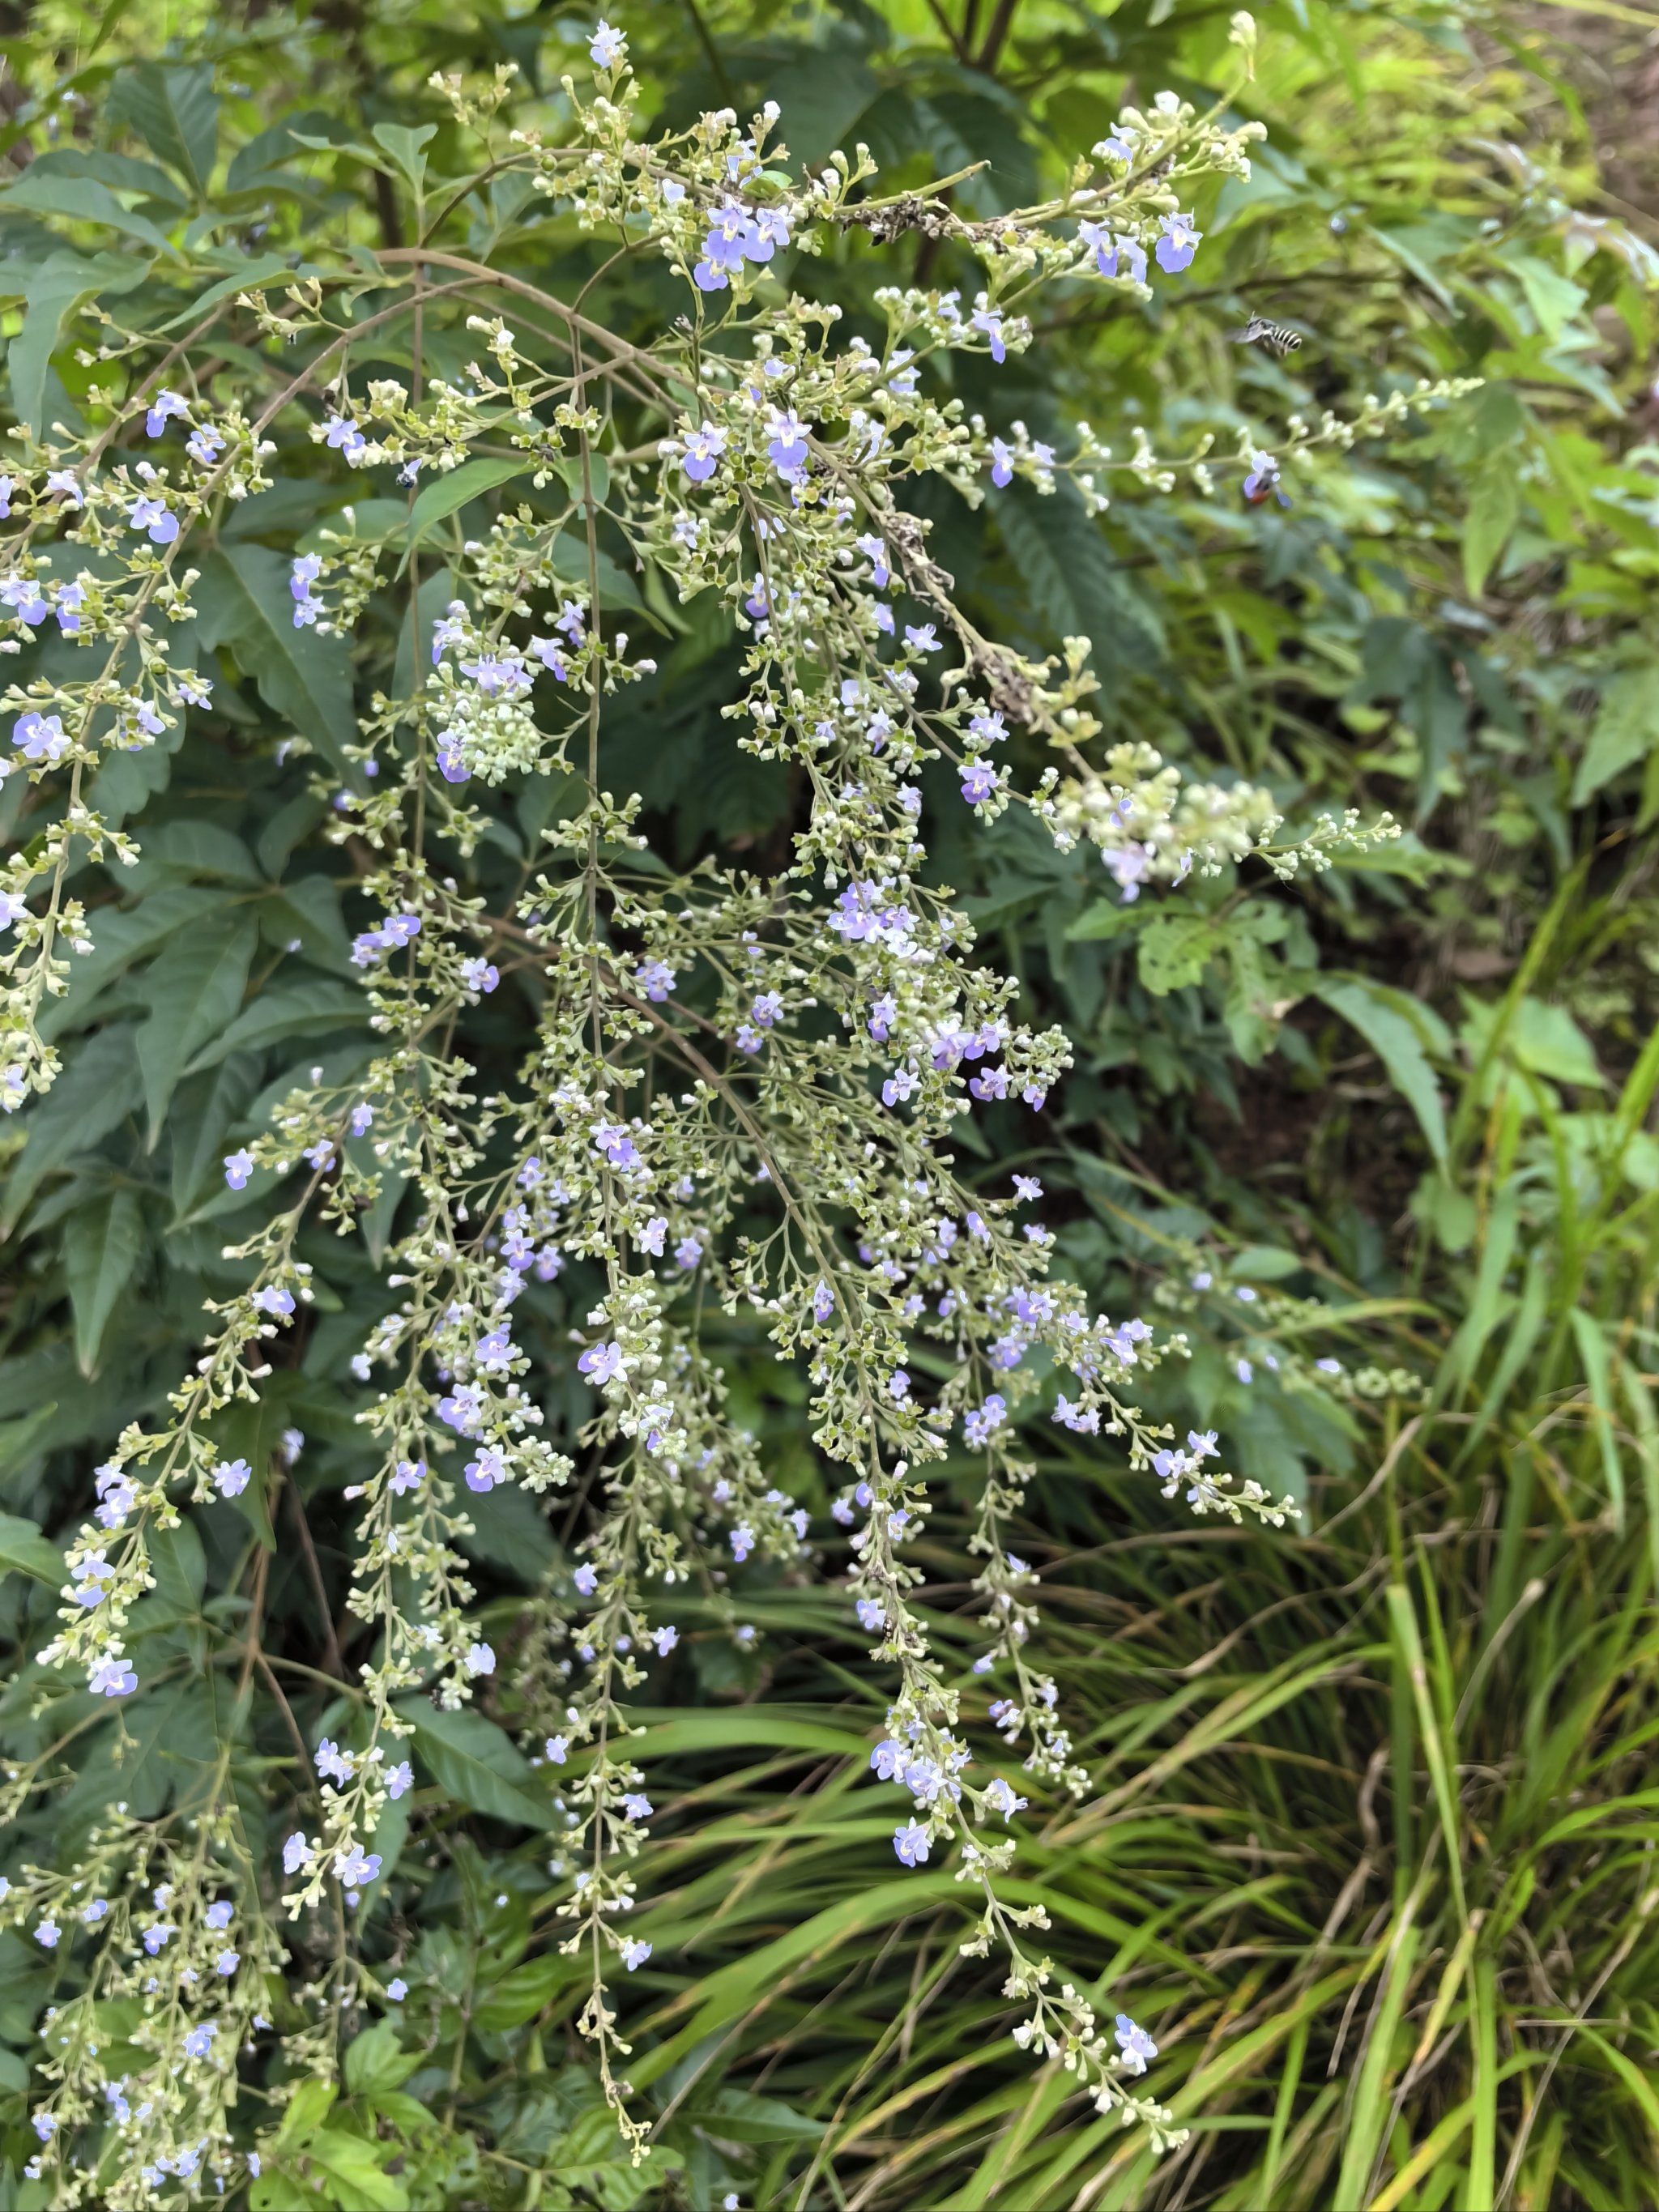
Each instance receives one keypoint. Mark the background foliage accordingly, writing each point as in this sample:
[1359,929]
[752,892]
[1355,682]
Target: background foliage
[1369,1841]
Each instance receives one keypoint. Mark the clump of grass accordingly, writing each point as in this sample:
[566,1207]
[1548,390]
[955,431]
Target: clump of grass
[1371,1848]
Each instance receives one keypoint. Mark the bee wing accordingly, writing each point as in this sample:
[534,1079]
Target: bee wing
[1248,336]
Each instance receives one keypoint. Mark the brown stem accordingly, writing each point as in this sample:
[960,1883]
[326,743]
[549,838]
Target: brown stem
[996,38]
[313,1568]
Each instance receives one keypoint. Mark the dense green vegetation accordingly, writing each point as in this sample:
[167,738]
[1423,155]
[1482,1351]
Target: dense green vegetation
[1367,1838]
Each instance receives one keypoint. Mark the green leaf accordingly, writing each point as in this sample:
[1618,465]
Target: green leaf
[304,917]
[1494,507]
[570,559]
[266,269]
[179,1565]
[376,2060]
[81,199]
[98,1089]
[253,167]
[452,492]
[194,991]
[306,2112]
[118,171]
[1546,1041]
[243,600]
[174,110]
[50,295]
[1390,1024]
[103,1243]
[353,2166]
[25,1551]
[200,1127]
[1106,919]
[746,2118]
[121,936]
[1626,729]
[520,1993]
[415,635]
[295,1010]
[1074,586]
[1175,950]
[406,144]
[599,477]
[197,849]
[469,1758]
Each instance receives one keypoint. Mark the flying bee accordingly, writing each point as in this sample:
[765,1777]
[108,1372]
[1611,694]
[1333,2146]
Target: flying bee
[1278,340]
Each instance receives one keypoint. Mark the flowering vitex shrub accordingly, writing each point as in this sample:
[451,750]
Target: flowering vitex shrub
[730,1091]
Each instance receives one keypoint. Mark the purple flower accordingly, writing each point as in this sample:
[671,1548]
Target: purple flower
[979,781]
[871,1618]
[723,249]
[1002,462]
[232,1477]
[1098,238]
[400,1780]
[156,519]
[600,1362]
[297,1853]
[703,448]
[343,435]
[1136,253]
[22,595]
[788,449]
[1180,241]
[979,1427]
[461,1409]
[656,979]
[40,736]
[875,552]
[887,1761]
[163,409]
[635,1953]
[488,1468]
[637,1806]
[608,48]
[410,1473]
[911,1844]
[743,1542]
[989,320]
[1134,2043]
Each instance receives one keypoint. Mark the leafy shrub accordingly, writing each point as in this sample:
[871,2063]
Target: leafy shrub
[474,867]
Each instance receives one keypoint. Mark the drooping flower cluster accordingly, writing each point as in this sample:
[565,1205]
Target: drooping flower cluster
[739,1091]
